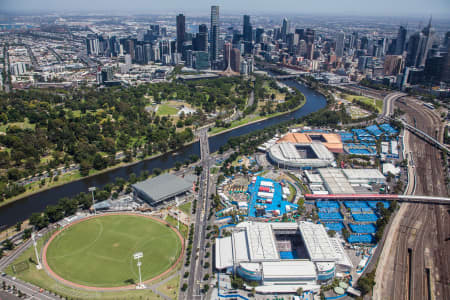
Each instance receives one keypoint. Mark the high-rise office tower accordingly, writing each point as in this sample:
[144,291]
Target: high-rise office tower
[353,40]
[247,29]
[284,29]
[235,59]
[258,35]
[428,33]
[416,44]
[340,44]
[446,69]
[247,34]
[401,41]
[200,43]
[181,32]
[215,29]
[393,64]
[226,55]
[92,44]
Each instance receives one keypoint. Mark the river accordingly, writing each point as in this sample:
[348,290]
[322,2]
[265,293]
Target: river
[21,209]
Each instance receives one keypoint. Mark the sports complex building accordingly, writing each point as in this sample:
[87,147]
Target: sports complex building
[305,150]
[161,188]
[282,256]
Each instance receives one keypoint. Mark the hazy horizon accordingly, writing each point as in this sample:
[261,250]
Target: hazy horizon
[388,8]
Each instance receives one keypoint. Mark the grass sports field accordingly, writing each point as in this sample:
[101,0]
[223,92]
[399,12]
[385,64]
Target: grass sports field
[98,252]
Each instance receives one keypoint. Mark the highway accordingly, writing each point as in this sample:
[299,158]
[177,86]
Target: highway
[414,263]
[388,103]
[201,219]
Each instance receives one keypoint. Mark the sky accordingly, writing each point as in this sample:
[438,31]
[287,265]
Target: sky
[420,8]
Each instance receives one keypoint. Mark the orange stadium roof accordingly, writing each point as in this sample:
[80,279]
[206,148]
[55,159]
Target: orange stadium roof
[332,140]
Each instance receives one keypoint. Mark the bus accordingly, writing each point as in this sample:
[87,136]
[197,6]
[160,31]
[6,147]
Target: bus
[429,105]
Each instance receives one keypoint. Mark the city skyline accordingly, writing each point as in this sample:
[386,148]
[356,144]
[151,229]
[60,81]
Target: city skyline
[437,8]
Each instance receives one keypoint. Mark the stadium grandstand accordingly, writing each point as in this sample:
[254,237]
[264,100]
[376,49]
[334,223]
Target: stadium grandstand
[282,257]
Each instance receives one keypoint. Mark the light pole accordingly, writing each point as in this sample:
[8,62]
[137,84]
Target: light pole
[92,190]
[178,213]
[137,256]
[38,266]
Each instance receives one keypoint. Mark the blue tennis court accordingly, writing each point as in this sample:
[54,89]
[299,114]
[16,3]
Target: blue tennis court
[363,228]
[364,217]
[323,204]
[338,226]
[363,238]
[332,216]
[373,204]
[288,255]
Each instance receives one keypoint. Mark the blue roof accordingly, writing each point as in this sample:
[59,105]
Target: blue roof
[374,130]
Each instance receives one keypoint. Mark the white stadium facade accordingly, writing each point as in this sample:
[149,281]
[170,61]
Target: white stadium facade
[299,155]
[281,257]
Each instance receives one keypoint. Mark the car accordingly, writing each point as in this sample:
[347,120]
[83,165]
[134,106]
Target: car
[3,274]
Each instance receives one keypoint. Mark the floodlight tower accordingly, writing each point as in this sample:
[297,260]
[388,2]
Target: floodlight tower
[38,266]
[178,213]
[92,190]
[137,256]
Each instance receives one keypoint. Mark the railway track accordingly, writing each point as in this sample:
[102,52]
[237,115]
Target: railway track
[421,265]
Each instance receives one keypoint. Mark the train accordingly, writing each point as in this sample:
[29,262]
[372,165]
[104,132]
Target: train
[429,105]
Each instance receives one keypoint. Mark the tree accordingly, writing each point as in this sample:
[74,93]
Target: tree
[8,244]
[367,282]
[99,162]
[186,274]
[345,233]
[198,170]
[299,291]
[331,233]
[184,287]
[157,171]
[27,233]
[18,226]
[205,288]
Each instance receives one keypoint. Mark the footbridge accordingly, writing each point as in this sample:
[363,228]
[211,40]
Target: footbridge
[422,135]
[381,197]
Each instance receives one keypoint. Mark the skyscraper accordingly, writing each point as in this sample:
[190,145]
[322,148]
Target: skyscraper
[215,28]
[415,45]
[235,59]
[401,40]
[226,54]
[428,33]
[259,33]
[92,44]
[340,44]
[181,32]
[284,29]
[247,29]
[446,69]
[247,34]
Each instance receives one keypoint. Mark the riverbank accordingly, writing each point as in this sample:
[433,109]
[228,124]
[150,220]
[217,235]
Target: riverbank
[73,177]
[22,208]
[255,120]
[77,176]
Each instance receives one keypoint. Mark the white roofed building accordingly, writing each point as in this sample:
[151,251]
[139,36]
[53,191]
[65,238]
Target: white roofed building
[280,256]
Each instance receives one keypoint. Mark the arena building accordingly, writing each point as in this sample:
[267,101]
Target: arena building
[300,155]
[332,141]
[281,256]
[160,188]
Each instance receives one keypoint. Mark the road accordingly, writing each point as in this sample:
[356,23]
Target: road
[201,219]
[26,288]
[416,265]
[388,103]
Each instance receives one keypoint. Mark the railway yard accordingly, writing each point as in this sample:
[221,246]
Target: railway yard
[417,264]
